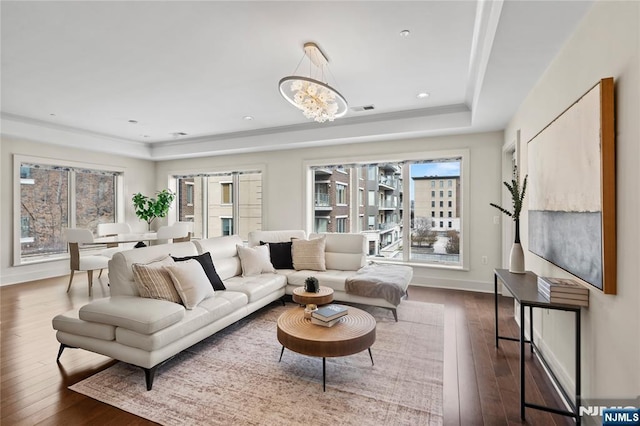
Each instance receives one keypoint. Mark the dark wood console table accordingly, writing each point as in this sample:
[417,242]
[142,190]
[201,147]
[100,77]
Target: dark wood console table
[524,288]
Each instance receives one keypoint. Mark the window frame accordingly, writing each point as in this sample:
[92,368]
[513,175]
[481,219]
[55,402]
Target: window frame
[407,158]
[18,160]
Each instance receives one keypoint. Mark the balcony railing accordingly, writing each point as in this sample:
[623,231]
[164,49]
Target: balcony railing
[322,200]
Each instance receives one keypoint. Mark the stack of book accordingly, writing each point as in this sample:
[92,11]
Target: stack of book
[329,315]
[563,290]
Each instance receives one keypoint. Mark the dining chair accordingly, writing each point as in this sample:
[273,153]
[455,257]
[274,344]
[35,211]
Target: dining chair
[177,232]
[90,263]
[113,229]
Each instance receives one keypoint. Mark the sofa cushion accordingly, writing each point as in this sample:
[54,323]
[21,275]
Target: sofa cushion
[258,286]
[255,260]
[209,269]
[154,282]
[344,251]
[190,281]
[255,237]
[224,253]
[280,254]
[70,323]
[331,278]
[308,254]
[145,316]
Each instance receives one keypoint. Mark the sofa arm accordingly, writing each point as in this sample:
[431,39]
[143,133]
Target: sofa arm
[139,314]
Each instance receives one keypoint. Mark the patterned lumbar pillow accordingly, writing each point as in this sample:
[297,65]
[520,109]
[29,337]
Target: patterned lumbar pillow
[153,282]
[190,281]
[254,260]
[308,254]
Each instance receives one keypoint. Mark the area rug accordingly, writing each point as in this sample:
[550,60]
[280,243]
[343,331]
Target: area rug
[234,377]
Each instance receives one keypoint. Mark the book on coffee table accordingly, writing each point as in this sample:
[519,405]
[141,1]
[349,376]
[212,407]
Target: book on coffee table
[330,312]
[325,323]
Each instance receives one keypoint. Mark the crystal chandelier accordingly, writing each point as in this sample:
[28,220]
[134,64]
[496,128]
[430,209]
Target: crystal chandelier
[316,100]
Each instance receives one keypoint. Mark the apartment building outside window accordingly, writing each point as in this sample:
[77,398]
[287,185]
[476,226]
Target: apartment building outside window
[388,226]
[223,202]
[54,195]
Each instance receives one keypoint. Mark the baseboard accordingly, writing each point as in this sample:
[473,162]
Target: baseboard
[24,274]
[452,284]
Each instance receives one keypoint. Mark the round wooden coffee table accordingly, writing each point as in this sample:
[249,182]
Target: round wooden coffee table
[323,297]
[354,333]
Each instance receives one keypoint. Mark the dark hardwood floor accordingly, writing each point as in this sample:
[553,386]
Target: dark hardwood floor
[481,383]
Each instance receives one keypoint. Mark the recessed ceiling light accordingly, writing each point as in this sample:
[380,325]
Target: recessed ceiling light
[52,114]
[145,136]
[422,95]
[405,33]
[247,118]
[133,121]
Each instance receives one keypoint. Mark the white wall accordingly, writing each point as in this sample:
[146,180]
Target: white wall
[139,176]
[284,192]
[605,44]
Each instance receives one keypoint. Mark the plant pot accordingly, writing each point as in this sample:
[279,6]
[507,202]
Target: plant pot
[516,259]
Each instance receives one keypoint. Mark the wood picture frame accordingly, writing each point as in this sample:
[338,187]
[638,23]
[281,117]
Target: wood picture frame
[572,189]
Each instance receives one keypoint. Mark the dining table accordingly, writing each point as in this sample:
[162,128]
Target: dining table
[127,238]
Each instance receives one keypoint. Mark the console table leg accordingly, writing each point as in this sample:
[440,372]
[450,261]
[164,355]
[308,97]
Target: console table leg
[370,356]
[281,352]
[324,374]
[495,301]
[522,393]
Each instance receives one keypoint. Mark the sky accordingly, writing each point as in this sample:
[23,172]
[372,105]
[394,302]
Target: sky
[450,168]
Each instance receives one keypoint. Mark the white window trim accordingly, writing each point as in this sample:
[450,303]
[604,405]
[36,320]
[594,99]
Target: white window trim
[17,228]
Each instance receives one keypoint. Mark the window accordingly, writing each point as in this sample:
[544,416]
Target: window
[387,224]
[226,225]
[449,214]
[341,194]
[449,183]
[52,197]
[360,197]
[222,202]
[372,173]
[449,204]
[321,224]
[448,193]
[449,224]
[226,191]
[371,201]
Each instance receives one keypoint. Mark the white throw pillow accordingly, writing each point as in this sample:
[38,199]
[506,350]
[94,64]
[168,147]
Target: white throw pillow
[255,260]
[190,281]
[308,254]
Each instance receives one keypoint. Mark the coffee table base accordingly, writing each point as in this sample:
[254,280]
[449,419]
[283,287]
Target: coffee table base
[324,367]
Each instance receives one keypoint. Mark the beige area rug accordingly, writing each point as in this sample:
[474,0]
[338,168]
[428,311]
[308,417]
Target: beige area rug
[234,378]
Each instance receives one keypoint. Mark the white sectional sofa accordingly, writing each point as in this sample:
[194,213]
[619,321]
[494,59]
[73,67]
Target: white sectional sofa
[146,332]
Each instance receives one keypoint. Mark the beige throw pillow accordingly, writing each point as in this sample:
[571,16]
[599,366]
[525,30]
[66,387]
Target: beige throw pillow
[190,281]
[153,282]
[255,260]
[308,254]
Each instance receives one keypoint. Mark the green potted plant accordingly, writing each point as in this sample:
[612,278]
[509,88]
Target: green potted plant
[148,208]
[311,285]
[516,258]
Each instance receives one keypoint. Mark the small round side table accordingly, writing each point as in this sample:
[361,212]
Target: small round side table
[323,297]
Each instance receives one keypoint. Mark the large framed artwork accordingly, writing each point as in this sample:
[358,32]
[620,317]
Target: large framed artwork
[572,191]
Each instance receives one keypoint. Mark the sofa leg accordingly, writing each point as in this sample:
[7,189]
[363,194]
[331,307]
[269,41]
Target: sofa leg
[149,374]
[282,299]
[395,313]
[62,348]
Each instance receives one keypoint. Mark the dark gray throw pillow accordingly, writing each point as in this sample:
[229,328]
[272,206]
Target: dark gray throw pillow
[280,254]
[207,264]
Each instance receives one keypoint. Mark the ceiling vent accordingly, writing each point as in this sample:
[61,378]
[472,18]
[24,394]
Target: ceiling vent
[363,108]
